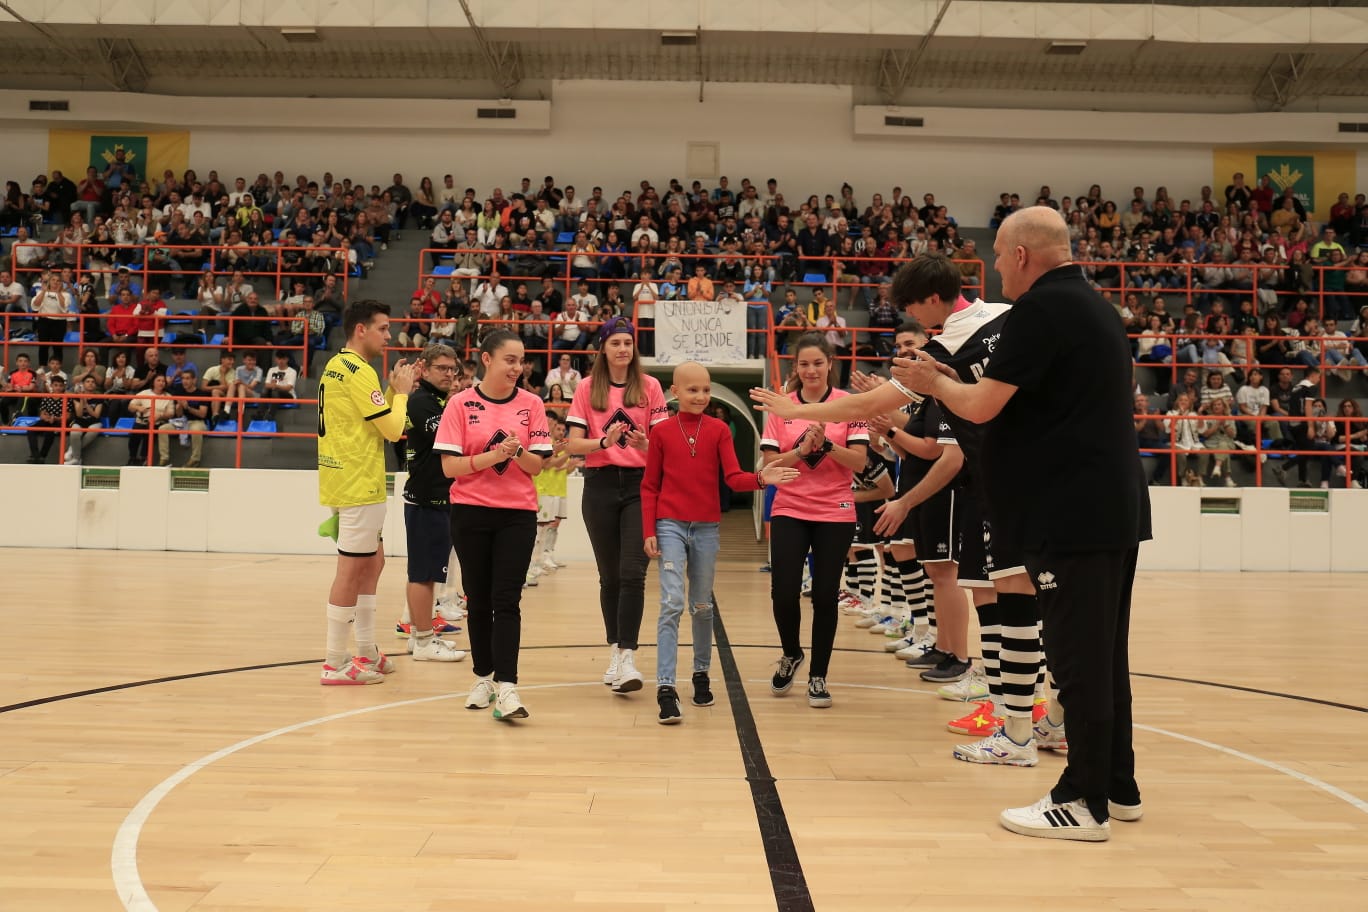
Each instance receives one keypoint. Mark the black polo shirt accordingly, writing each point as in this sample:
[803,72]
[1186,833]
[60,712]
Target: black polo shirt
[1061,462]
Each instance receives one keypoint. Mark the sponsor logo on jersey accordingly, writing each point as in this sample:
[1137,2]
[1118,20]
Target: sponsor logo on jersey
[1046,580]
[621,417]
[472,404]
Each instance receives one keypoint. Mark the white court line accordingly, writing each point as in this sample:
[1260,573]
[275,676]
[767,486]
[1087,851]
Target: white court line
[124,856]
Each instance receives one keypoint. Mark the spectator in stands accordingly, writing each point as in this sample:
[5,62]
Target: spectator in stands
[1339,352]
[52,413]
[1214,390]
[52,306]
[251,323]
[1149,427]
[402,198]
[21,380]
[218,383]
[279,383]
[86,418]
[1251,403]
[13,296]
[152,406]
[833,326]
[411,330]
[89,366]
[423,208]
[1351,430]
[488,294]
[814,242]
[569,330]
[444,237]
[190,418]
[701,287]
[1275,348]
[1217,433]
[533,329]
[1299,428]
[245,383]
[563,378]
[583,264]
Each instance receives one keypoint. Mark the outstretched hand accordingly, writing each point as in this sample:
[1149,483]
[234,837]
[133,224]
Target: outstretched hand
[778,475]
[776,403]
[919,373]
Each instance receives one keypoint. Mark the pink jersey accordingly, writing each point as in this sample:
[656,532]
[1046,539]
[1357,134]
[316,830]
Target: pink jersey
[473,424]
[821,492]
[595,423]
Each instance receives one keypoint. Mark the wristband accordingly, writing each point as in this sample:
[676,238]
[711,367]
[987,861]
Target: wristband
[603,442]
[759,480]
[519,452]
[473,470]
[915,397]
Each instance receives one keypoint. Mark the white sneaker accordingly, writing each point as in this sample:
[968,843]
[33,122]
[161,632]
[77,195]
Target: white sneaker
[1127,813]
[918,649]
[970,688]
[1048,736]
[872,618]
[508,706]
[351,672]
[628,678]
[436,650]
[531,580]
[481,693]
[450,610]
[999,750]
[1055,820]
[849,602]
[902,643]
[614,658]
[550,565]
[69,457]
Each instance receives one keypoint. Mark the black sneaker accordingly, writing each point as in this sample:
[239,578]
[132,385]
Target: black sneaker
[783,677]
[948,671]
[818,696]
[702,689]
[669,706]
[929,659]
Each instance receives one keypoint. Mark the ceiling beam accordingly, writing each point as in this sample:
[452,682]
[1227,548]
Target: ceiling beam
[504,57]
[896,67]
[124,64]
[1278,82]
[81,61]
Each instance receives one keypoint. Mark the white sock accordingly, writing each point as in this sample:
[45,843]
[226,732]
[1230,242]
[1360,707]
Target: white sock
[549,544]
[365,627]
[339,622]
[1017,728]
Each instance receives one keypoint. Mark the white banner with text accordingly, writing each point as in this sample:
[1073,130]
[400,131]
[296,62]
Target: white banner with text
[709,332]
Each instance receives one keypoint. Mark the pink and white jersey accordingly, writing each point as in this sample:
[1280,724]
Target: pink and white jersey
[821,492]
[641,417]
[473,424]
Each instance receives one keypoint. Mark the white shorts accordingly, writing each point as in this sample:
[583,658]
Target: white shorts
[359,529]
[550,507]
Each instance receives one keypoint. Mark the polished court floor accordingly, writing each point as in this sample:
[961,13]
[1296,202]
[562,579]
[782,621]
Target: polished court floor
[164,745]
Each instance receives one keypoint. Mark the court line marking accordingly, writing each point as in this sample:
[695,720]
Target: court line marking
[123,859]
[1347,797]
[124,855]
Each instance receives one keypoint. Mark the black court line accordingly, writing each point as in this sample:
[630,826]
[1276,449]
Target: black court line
[166,680]
[786,871]
[1253,690]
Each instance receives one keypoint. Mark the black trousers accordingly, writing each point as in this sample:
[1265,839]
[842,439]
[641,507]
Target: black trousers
[1085,601]
[49,331]
[612,517]
[494,547]
[790,541]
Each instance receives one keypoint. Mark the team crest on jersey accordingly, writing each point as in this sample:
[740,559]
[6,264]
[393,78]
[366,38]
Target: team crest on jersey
[813,459]
[499,437]
[621,417]
[377,397]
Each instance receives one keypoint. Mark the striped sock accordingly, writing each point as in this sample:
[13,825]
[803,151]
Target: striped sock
[990,638]
[1020,657]
[893,594]
[914,585]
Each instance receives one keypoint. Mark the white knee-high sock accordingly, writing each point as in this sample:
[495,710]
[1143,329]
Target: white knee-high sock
[365,627]
[339,627]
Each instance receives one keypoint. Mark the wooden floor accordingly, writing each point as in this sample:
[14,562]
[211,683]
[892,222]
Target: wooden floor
[287,795]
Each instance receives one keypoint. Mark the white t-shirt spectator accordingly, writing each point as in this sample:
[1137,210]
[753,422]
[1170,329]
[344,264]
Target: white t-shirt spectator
[567,380]
[644,295]
[588,303]
[13,293]
[489,296]
[567,328]
[1253,400]
[646,232]
[286,377]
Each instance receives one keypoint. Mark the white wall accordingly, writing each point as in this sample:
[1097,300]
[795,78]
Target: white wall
[276,510]
[615,133]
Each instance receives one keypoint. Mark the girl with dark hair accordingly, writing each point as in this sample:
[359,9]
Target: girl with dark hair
[816,513]
[493,438]
[609,419]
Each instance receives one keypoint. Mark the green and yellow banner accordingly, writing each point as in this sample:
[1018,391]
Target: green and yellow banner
[1316,176]
[150,154]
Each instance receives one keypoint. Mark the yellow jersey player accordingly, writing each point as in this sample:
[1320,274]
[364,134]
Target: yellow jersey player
[355,418]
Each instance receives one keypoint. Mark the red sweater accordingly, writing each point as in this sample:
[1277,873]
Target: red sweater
[684,487]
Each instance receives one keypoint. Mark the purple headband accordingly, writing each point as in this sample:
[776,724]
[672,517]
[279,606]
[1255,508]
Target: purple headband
[615,325]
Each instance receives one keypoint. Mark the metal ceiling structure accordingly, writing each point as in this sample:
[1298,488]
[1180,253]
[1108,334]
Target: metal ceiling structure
[473,58]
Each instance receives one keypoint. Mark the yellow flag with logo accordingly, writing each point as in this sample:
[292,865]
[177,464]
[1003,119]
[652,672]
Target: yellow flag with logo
[149,154]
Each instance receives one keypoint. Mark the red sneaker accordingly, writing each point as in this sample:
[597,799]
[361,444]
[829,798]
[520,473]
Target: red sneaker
[978,723]
[353,672]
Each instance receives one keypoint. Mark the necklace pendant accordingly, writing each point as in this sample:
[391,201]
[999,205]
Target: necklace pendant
[692,441]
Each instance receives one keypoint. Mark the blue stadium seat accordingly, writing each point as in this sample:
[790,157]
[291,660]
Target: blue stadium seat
[815,278]
[21,422]
[73,336]
[217,340]
[228,426]
[565,237]
[122,427]
[260,428]
[443,270]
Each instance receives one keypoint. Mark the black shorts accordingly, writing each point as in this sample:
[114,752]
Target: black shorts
[936,523]
[982,558]
[865,518]
[429,542]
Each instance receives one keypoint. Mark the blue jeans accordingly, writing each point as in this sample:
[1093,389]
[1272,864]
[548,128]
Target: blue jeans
[685,548]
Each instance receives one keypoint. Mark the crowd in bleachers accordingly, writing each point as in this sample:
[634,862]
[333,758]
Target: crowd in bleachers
[1245,288]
